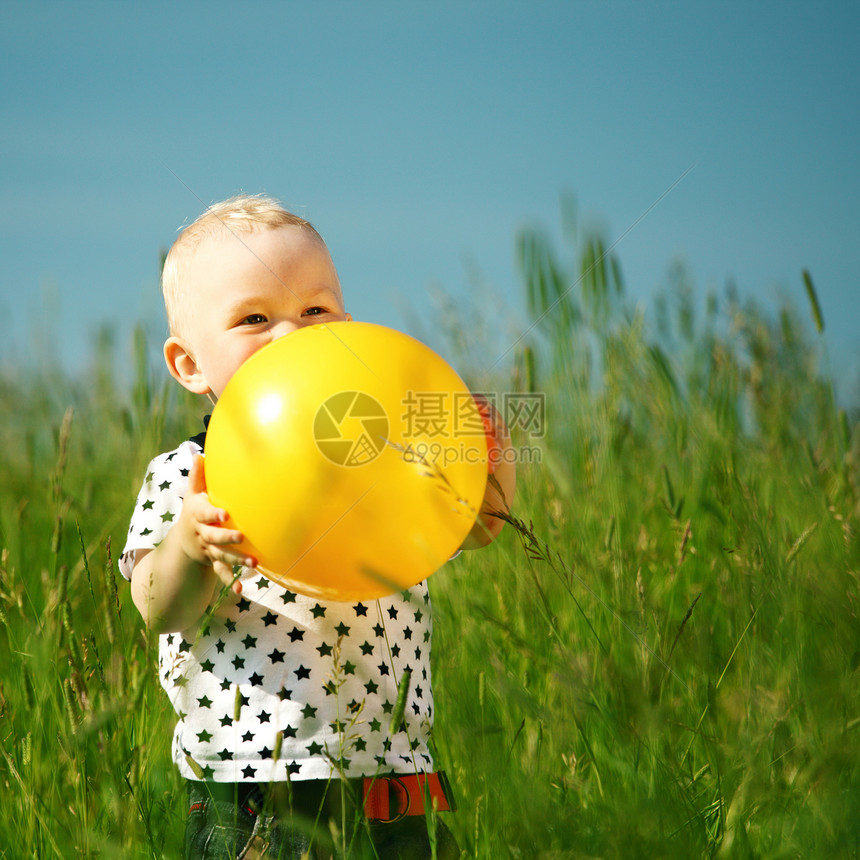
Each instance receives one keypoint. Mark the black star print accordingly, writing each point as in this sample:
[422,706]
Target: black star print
[256,680]
[392,612]
[248,736]
[303,672]
[318,611]
[325,650]
[244,604]
[407,632]
[395,650]
[204,701]
[264,716]
[207,665]
[383,668]
[164,485]
[288,597]
[360,745]
[226,684]
[418,616]
[276,656]
[146,532]
[379,630]
[360,609]
[262,582]
[375,725]
[249,641]
[416,707]
[309,712]
[225,755]
[265,752]
[314,749]
[294,768]
[147,505]
[249,772]
[387,707]
[371,686]
[167,518]
[184,646]
[184,472]
[238,662]
[419,693]
[230,625]
[284,694]
[366,648]
[342,629]
[169,638]
[208,772]
[289,732]
[348,668]
[226,720]
[204,736]
[296,635]
[219,646]
[270,618]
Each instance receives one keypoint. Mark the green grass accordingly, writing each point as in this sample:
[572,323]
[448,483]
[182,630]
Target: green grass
[659,657]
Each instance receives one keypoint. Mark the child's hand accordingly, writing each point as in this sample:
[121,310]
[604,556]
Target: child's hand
[495,431]
[201,535]
[502,481]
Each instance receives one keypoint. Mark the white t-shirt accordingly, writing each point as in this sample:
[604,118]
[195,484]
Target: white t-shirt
[275,683]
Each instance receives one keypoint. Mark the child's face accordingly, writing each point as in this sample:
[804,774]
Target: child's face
[242,292]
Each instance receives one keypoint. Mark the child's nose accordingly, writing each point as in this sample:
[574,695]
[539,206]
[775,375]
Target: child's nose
[284,327]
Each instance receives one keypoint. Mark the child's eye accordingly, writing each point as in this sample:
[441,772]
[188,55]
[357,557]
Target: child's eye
[314,311]
[253,319]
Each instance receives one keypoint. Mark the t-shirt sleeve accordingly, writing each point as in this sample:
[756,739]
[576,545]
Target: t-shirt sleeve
[158,502]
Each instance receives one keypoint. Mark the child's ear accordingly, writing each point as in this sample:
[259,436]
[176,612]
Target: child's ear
[183,366]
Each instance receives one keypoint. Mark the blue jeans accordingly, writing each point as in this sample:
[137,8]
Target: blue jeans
[316,819]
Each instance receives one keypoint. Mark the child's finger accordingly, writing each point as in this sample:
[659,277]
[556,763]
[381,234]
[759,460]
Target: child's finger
[491,420]
[197,476]
[224,571]
[219,536]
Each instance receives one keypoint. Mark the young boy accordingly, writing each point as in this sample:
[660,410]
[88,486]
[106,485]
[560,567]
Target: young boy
[286,732]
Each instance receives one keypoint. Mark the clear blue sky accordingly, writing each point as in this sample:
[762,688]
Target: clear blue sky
[419,138]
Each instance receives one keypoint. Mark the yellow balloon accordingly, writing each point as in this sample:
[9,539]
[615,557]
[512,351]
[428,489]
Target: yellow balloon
[352,458]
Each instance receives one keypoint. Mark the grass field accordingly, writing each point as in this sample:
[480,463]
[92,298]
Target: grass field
[660,657]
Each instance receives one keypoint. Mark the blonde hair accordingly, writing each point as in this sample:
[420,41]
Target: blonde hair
[239,216]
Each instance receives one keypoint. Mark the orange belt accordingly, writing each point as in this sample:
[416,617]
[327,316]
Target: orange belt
[390,798]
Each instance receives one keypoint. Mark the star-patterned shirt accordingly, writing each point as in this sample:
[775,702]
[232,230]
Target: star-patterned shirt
[272,685]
